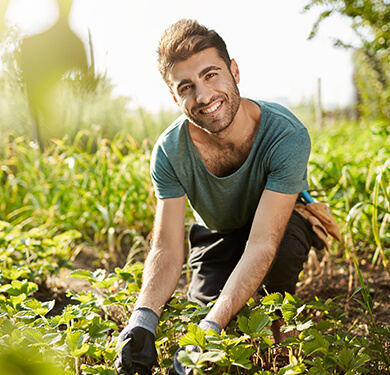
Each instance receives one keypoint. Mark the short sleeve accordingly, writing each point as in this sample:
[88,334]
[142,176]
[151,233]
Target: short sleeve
[288,163]
[165,182]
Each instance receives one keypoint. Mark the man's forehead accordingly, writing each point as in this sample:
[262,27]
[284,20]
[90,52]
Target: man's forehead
[195,65]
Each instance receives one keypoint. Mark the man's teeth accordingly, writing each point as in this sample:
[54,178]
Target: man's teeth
[211,109]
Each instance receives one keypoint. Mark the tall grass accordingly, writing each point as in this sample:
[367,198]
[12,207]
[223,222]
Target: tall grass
[98,186]
[102,186]
[351,162]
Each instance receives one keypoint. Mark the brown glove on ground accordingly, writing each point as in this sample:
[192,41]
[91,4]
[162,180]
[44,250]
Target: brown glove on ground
[321,220]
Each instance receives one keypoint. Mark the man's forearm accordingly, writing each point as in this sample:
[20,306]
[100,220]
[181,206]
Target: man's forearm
[165,261]
[271,218]
[161,275]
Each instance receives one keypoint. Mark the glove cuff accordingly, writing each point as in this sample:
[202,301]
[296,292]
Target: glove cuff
[210,324]
[144,317]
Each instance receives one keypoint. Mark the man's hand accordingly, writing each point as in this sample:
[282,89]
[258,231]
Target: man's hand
[138,355]
[177,367]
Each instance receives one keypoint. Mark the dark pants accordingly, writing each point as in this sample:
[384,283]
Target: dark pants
[213,256]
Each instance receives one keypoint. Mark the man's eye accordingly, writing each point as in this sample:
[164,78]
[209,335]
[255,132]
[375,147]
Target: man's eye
[210,75]
[185,88]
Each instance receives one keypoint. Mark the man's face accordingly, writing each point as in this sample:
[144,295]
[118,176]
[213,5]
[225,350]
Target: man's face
[206,90]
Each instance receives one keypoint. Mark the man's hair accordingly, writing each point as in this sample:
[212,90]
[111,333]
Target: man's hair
[184,39]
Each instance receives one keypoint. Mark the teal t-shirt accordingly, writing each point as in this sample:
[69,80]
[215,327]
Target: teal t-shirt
[277,161]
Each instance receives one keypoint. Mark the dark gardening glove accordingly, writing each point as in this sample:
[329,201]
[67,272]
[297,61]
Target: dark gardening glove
[139,354]
[177,367]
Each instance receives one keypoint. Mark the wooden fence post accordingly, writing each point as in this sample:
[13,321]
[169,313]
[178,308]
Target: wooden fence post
[318,105]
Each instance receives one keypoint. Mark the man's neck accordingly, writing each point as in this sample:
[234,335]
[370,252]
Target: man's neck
[225,152]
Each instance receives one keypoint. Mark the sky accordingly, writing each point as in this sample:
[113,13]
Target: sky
[267,38]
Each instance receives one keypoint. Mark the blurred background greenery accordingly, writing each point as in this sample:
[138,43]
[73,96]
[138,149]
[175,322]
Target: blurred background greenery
[48,92]
[74,163]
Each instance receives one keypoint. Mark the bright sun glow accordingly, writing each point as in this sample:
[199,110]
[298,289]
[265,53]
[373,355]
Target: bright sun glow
[267,39]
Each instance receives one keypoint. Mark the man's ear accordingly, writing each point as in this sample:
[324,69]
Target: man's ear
[174,97]
[235,71]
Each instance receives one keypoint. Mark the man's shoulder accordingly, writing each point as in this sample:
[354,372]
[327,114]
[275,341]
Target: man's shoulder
[171,135]
[275,111]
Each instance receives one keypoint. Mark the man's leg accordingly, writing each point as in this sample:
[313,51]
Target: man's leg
[212,259]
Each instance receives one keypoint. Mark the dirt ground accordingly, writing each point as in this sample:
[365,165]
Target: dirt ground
[341,279]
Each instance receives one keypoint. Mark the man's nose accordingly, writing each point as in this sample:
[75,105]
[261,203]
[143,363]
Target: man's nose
[203,94]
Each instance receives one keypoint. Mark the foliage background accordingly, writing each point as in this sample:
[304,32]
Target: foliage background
[85,197]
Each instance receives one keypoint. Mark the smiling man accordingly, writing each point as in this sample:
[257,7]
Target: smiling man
[241,164]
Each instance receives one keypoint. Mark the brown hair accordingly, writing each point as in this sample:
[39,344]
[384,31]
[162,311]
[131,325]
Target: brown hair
[184,39]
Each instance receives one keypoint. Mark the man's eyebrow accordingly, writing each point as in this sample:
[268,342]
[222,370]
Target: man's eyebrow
[182,83]
[201,74]
[208,69]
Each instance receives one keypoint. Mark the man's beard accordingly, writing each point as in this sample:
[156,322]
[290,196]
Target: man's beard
[216,125]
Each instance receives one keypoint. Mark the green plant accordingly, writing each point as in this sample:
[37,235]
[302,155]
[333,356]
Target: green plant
[105,194]
[94,191]
[378,335]
[35,254]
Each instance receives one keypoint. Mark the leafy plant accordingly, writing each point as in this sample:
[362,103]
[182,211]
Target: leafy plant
[96,192]
[35,254]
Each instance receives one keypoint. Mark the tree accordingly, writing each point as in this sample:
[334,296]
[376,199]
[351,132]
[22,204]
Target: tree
[370,20]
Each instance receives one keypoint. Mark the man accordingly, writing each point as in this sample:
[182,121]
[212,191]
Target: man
[241,164]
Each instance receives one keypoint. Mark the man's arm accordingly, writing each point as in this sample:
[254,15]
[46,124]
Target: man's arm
[164,263]
[135,344]
[270,221]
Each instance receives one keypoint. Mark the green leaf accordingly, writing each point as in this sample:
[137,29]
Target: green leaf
[291,307]
[98,328]
[242,322]
[324,325]
[32,335]
[318,344]
[19,287]
[74,340]
[348,360]
[52,338]
[37,307]
[189,358]
[296,369]
[213,355]
[240,355]
[194,336]
[15,273]
[79,352]
[104,284]
[17,300]
[80,274]
[272,299]
[258,321]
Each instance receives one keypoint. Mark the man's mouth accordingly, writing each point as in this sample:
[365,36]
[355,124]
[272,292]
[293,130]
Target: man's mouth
[211,109]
